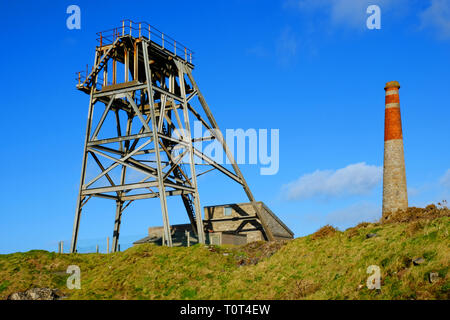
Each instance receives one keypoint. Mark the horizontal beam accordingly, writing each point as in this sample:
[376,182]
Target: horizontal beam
[131,88]
[178,186]
[105,196]
[154,195]
[96,191]
[132,186]
[119,139]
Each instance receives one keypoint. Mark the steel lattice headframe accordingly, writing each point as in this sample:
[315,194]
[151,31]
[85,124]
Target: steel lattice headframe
[156,101]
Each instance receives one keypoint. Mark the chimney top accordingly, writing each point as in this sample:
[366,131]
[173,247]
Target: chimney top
[392,84]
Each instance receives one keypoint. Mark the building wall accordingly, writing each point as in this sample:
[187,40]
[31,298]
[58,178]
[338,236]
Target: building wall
[220,238]
[243,219]
[219,227]
[279,229]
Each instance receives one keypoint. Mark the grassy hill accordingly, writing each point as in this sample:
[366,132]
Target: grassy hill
[328,264]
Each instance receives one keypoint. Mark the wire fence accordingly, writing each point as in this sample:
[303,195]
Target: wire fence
[98,245]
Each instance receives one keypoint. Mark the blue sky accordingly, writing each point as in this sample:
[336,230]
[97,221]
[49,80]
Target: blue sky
[308,68]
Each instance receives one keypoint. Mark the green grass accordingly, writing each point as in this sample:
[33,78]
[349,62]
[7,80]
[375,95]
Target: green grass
[330,267]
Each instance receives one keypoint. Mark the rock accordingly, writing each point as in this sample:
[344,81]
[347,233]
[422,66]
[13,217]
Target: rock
[433,277]
[36,294]
[371,235]
[418,261]
[18,296]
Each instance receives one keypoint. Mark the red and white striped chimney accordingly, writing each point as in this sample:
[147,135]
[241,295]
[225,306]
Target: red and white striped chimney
[395,195]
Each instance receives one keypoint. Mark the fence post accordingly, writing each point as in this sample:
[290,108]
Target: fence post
[107,244]
[188,236]
[96,248]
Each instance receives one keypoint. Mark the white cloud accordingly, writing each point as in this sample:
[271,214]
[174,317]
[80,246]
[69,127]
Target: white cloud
[445,179]
[355,179]
[437,17]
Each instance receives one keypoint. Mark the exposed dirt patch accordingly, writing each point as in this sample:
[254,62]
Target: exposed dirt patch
[430,212]
[324,232]
[252,253]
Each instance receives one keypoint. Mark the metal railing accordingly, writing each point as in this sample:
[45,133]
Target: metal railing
[143,29]
[138,30]
[82,75]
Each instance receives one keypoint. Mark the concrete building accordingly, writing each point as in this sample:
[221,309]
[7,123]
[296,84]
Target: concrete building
[395,195]
[225,224]
[241,218]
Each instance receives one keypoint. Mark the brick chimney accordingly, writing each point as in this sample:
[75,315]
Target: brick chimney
[395,196]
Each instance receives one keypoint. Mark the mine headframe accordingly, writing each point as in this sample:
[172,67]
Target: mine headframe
[141,142]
